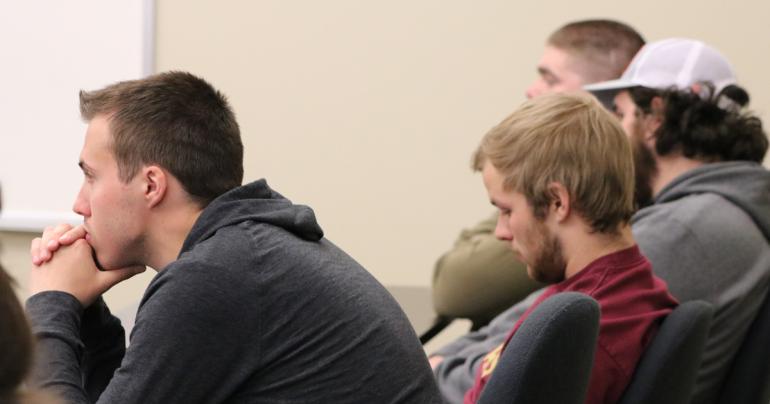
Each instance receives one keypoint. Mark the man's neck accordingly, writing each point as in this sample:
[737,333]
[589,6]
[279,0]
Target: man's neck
[170,230]
[587,247]
[669,168]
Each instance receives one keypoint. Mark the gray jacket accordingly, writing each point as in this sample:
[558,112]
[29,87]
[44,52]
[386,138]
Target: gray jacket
[707,236]
[258,308]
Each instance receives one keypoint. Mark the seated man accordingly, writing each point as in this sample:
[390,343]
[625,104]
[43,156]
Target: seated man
[479,276]
[250,303]
[697,155]
[707,231]
[559,171]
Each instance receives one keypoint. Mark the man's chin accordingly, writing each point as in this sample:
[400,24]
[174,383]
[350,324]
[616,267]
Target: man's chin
[96,260]
[544,277]
[101,264]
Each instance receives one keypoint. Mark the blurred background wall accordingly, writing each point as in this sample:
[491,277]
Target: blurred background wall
[368,111]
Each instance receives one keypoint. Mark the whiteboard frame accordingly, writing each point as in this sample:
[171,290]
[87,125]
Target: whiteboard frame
[37,221]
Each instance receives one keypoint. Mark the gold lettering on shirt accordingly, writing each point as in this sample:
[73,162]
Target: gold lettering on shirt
[489,362]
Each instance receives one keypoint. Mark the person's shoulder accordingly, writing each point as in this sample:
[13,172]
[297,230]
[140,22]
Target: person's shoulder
[690,209]
[228,245]
[224,255]
[702,212]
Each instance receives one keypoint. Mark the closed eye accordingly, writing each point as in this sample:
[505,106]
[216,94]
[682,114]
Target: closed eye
[86,171]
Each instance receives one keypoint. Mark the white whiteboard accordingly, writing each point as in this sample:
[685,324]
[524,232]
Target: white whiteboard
[49,51]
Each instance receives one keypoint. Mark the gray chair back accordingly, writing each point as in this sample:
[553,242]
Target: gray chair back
[748,380]
[667,369]
[550,357]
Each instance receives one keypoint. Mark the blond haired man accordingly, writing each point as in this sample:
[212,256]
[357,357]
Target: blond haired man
[559,171]
[479,277]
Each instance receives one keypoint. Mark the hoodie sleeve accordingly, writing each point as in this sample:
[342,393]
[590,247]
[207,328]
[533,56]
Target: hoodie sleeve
[187,342]
[182,345]
[56,319]
[105,345]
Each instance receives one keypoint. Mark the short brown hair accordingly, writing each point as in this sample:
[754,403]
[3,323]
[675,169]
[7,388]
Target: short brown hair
[175,120]
[606,46]
[572,140]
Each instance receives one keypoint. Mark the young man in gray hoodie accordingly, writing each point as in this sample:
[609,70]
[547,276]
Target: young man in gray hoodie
[706,224]
[251,304]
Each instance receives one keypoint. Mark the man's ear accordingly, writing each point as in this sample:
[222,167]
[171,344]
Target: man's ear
[653,120]
[560,205]
[155,183]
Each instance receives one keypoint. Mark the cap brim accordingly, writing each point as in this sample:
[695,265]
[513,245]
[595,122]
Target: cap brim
[611,85]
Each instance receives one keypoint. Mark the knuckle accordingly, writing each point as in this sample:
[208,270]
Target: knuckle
[81,243]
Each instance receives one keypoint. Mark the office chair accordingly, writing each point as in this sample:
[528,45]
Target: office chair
[667,369]
[550,357]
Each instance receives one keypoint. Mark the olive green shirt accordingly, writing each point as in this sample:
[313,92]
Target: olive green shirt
[480,276]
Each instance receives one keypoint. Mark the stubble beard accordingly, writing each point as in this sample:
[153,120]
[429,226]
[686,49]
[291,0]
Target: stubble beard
[645,168]
[549,265]
[130,255]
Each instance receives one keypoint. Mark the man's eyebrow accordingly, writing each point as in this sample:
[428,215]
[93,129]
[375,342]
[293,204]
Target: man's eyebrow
[83,166]
[544,71]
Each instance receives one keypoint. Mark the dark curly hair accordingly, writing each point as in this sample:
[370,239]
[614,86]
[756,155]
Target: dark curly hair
[711,129]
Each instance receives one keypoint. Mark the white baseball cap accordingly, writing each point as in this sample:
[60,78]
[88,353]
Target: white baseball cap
[672,63]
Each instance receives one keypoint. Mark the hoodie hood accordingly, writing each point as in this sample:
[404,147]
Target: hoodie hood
[745,184]
[253,202]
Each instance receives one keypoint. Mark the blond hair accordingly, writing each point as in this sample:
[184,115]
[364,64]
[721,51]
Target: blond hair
[572,140]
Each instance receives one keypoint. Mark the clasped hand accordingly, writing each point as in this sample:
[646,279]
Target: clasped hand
[63,261]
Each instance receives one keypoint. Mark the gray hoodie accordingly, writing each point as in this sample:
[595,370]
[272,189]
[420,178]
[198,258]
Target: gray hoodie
[707,236]
[258,308]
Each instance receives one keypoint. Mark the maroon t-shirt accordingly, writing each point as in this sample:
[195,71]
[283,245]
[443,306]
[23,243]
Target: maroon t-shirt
[632,301]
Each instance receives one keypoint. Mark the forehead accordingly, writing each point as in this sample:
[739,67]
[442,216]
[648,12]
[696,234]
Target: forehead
[495,184]
[498,194]
[557,58]
[493,180]
[564,63]
[97,141]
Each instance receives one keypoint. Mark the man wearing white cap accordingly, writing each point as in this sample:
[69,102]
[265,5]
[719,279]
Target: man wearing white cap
[707,226]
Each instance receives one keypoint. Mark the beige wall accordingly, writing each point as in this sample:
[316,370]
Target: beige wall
[368,111]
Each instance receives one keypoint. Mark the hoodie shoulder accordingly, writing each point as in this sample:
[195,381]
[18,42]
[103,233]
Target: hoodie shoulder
[745,185]
[255,202]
